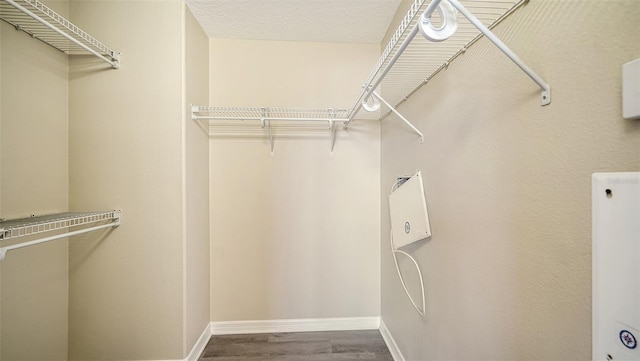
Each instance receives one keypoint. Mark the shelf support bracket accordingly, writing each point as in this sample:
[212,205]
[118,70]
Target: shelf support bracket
[375,94]
[332,128]
[194,110]
[262,117]
[545,96]
[270,138]
[264,122]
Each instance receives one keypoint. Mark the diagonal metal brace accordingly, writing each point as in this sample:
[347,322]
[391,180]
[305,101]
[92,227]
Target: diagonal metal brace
[545,95]
[375,94]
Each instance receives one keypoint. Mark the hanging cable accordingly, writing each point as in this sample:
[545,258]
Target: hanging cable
[394,251]
[395,259]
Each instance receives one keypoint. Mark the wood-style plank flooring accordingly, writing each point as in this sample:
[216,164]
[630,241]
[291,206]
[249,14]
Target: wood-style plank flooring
[299,346]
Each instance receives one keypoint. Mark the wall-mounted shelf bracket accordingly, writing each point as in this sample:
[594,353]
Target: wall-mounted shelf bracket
[264,122]
[395,111]
[263,116]
[333,136]
[13,229]
[332,128]
[545,96]
[270,137]
[44,24]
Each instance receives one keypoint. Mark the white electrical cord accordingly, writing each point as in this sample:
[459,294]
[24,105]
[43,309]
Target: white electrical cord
[395,259]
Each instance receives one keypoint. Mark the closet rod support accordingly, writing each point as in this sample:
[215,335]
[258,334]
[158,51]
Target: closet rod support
[545,97]
[375,94]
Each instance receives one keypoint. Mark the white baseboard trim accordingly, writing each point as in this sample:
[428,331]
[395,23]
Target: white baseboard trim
[295,325]
[197,349]
[391,343]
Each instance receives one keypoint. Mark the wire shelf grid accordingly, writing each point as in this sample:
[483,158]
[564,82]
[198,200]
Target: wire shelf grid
[44,24]
[423,59]
[269,114]
[408,62]
[10,229]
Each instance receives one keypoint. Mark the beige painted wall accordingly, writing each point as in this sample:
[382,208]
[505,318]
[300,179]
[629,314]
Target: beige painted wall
[293,235]
[2,28]
[288,74]
[126,147]
[34,178]
[508,269]
[196,211]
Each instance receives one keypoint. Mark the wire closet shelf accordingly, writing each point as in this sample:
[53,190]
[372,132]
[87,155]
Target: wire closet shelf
[44,24]
[24,227]
[296,122]
[328,115]
[448,29]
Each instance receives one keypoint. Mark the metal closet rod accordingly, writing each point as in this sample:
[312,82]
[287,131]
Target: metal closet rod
[114,62]
[369,88]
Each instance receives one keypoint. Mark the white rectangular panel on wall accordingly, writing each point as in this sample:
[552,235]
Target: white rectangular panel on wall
[616,265]
[631,90]
[408,210]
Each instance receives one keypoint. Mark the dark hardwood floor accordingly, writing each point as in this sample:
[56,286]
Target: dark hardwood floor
[299,346]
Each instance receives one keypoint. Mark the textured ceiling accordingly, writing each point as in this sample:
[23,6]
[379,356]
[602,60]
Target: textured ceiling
[344,21]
